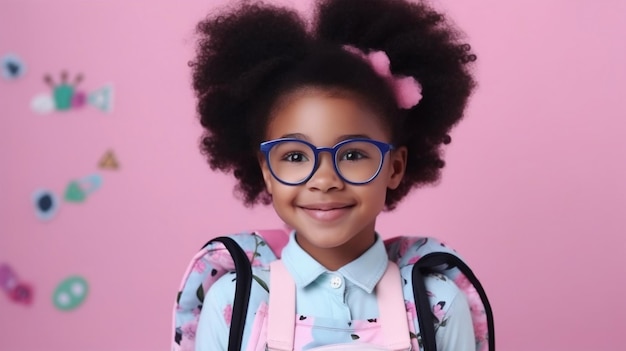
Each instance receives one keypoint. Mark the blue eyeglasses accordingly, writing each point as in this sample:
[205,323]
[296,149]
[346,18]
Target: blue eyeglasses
[294,161]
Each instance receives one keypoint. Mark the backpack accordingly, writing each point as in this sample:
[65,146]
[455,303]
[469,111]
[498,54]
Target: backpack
[234,253]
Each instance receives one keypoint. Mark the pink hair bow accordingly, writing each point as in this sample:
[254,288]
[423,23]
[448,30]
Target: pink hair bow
[407,90]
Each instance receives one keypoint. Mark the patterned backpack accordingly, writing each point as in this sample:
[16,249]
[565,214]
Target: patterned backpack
[234,253]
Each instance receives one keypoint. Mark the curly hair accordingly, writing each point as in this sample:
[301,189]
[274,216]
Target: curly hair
[250,56]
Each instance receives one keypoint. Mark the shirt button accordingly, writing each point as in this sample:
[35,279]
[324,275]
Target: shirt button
[335,282]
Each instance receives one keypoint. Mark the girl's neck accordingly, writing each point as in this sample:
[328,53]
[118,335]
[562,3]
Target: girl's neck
[337,257]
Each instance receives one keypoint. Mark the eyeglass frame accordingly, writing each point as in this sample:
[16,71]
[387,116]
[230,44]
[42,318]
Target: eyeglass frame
[383,147]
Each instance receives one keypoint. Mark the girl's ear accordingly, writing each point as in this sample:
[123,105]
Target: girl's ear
[397,165]
[267,176]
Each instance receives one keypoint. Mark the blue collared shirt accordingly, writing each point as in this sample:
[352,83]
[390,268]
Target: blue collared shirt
[350,288]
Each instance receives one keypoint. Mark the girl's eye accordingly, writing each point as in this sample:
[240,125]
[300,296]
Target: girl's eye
[353,155]
[295,157]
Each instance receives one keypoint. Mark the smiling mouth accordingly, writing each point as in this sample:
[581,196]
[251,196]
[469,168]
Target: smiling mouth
[328,212]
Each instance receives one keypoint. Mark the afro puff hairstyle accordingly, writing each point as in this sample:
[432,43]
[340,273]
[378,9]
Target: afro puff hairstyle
[251,55]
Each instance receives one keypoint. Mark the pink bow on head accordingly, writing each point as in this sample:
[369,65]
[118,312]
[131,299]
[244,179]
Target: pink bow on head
[407,90]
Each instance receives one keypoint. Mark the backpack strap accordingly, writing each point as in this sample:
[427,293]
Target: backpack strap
[282,309]
[242,291]
[231,253]
[428,264]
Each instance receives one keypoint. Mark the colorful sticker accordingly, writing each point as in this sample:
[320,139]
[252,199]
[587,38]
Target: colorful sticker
[12,67]
[17,291]
[109,161]
[66,96]
[102,98]
[46,204]
[8,279]
[70,293]
[64,91]
[78,190]
[74,193]
[42,104]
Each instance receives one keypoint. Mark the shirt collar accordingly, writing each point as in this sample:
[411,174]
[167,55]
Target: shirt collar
[364,272]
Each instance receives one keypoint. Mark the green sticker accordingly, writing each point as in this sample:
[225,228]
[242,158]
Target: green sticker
[70,293]
[74,193]
[63,96]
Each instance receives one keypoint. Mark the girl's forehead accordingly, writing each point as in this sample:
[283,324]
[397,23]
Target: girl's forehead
[324,117]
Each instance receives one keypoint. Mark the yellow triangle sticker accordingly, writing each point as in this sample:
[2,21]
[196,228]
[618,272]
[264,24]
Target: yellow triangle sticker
[109,161]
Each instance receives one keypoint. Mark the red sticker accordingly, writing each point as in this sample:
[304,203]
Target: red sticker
[16,290]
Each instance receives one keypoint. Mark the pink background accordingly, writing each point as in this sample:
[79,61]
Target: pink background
[533,194]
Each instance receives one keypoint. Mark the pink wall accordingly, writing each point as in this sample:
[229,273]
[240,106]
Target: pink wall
[533,195]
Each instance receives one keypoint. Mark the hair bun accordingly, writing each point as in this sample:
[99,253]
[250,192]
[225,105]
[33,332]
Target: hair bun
[245,42]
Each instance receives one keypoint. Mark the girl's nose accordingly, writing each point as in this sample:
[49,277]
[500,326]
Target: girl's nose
[324,177]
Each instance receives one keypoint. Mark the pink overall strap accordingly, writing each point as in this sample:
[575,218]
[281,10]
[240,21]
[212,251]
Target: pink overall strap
[281,316]
[392,311]
[282,310]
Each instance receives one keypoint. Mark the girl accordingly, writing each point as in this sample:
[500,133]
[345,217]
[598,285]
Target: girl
[330,123]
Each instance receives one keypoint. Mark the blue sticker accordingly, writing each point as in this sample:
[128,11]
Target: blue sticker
[12,67]
[91,183]
[102,98]
[46,204]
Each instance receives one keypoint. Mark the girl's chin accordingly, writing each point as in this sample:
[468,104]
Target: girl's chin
[322,239]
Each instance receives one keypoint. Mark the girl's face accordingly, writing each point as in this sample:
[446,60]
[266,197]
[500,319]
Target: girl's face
[334,220]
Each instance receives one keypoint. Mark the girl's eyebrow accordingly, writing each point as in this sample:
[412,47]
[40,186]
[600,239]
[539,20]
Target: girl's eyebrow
[340,138]
[295,136]
[352,136]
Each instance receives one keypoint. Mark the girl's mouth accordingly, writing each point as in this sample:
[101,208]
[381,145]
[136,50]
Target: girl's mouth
[327,212]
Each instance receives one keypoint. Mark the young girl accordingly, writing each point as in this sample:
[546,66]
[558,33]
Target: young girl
[331,123]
